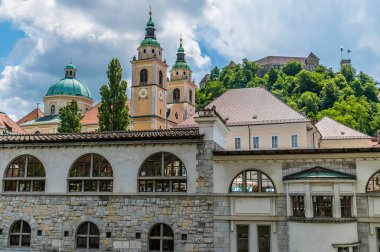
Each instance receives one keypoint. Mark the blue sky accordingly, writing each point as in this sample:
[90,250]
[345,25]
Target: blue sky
[38,38]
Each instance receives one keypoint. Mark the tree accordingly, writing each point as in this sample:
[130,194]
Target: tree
[291,68]
[308,103]
[70,118]
[348,72]
[113,114]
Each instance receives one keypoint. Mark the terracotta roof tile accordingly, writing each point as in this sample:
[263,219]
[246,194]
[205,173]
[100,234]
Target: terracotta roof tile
[249,106]
[10,125]
[91,116]
[331,129]
[183,133]
[34,114]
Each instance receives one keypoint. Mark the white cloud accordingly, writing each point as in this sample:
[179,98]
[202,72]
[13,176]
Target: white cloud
[8,74]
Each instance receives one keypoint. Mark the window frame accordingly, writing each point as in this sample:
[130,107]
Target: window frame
[371,179]
[321,208]
[168,182]
[259,182]
[239,239]
[269,238]
[160,79]
[346,209]
[28,181]
[297,140]
[20,235]
[83,180]
[300,212]
[144,82]
[258,142]
[87,236]
[161,238]
[176,95]
[235,138]
[278,141]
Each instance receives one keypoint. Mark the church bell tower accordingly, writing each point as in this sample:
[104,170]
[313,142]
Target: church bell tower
[149,85]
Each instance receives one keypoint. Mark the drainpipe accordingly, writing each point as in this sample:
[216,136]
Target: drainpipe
[249,137]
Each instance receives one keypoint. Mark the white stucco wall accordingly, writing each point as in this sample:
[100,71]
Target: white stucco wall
[125,162]
[317,237]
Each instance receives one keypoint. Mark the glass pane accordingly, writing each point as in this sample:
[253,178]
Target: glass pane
[252,181]
[24,186]
[266,184]
[81,242]
[94,242]
[101,167]
[10,186]
[242,238]
[94,229]
[374,183]
[345,206]
[38,186]
[152,166]
[237,184]
[298,206]
[35,168]
[90,185]
[106,185]
[75,186]
[25,228]
[167,231]
[15,240]
[154,244]
[179,186]
[17,168]
[263,238]
[322,206]
[162,186]
[83,229]
[82,167]
[173,166]
[155,231]
[168,245]
[16,227]
[25,240]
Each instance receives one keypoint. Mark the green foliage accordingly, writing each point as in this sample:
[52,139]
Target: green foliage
[70,118]
[345,96]
[113,114]
[292,68]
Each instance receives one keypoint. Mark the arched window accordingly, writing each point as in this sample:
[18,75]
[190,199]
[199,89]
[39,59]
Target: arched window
[52,109]
[161,238]
[91,173]
[25,174]
[20,234]
[191,95]
[162,172]
[373,184]
[176,95]
[252,181]
[88,236]
[160,78]
[144,77]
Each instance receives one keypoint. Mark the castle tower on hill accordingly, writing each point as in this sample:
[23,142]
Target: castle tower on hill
[155,102]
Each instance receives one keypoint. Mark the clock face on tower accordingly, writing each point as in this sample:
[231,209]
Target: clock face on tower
[143,93]
[161,95]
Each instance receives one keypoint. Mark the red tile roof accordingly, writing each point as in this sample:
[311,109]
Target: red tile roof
[331,129]
[34,114]
[165,134]
[91,116]
[248,106]
[10,125]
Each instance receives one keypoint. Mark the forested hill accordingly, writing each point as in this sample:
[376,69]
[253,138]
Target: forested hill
[346,96]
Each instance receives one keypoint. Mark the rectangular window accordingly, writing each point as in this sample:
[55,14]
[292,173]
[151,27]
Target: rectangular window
[242,238]
[274,142]
[263,238]
[345,206]
[298,203]
[237,143]
[294,139]
[256,142]
[322,206]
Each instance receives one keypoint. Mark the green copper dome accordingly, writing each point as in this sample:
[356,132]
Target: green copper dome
[149,42]
[70,66]
[70,87]
[181,65]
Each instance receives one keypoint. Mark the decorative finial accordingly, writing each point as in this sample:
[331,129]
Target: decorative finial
[71,60]
[150,10]
[38,104]
[180,39]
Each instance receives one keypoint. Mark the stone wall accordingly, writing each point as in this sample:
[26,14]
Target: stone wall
[122,216]
[363,234]
[345,167]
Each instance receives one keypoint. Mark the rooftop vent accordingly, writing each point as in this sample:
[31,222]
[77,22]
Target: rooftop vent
[254,117]
[342,133]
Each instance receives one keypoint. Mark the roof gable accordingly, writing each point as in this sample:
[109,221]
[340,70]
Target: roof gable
[34,114]
[331,129]
[319,172]
[8,124]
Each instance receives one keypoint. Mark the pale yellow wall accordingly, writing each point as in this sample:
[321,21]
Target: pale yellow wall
[61,101]
[345,143]
[43,128]
[265,133]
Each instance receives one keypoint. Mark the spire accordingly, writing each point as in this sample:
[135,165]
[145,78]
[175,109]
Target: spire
[70,70]
[150,30]
[181,61]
